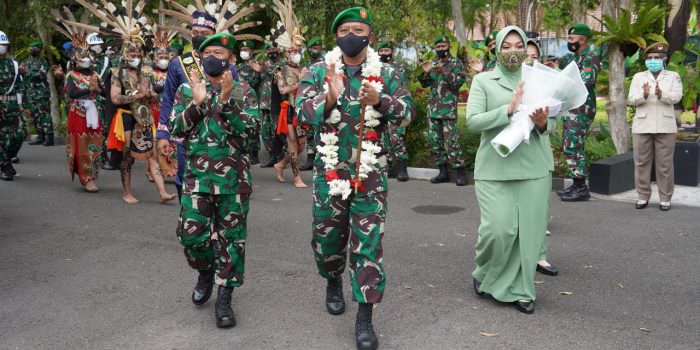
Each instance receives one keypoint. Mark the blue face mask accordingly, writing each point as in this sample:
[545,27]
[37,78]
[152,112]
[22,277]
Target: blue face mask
[654,65]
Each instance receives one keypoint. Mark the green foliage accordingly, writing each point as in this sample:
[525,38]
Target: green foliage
[689,73]
[599,145]
[646,28]
[416,133]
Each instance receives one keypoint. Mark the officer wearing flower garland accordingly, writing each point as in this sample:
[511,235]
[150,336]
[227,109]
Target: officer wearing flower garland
[444,76]
[215,116]
[350,195]
[37,94]
[576,129]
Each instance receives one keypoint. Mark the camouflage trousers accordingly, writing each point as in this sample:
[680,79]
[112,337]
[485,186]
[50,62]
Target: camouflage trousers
[267,129]
[574,143]
[310,142]
[11,134]
[41,115]
[212,228]
[444,139]
[254,143]
[357,223]
[395,143]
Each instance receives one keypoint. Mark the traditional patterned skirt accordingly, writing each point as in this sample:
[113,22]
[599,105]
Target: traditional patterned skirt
[167,161]
[83,144]
[142,136]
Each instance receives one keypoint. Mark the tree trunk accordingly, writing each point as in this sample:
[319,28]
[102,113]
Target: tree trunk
[676,32]
[460,32]
[617,104]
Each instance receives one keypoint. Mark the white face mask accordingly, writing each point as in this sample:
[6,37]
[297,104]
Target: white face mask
[134,63]
[84,63]
[96,49]
[296,58]
[245,55]
[163,64]
[3,49]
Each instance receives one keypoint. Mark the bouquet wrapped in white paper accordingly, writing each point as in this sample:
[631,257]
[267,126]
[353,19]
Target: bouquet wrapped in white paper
[560,91]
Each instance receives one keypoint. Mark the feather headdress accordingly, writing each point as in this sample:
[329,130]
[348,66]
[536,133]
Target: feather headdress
[77,35]
[163,32]
[226,14]
[287,35]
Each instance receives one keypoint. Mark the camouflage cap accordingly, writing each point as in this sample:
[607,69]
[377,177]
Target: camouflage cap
[353,14]
[581,29]
[220,39]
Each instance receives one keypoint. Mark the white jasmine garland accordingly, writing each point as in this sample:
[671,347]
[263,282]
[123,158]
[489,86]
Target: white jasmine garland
[340,188]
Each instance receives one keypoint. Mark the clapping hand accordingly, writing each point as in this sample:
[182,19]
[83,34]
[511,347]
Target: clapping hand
[658,91]
[335,84]
[517,97]
[647,89]
[226,86]
[199,90]
[369,96]
[539,117]
[427,66]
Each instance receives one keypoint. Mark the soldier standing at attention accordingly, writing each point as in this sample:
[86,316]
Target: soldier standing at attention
[316,51]
[576,129]
[268,120]
[397,155]
[37,94]
[11,87]
[444,76]
[249,71]
[350,195]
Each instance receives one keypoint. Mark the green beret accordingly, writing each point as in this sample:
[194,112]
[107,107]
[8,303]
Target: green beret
[177,46]
[247,43]
[386,44]
[220,39]
[354,14]
[314,41]
[581,29]
[266,45]
[441,39]
[656,48]
[36,44]
[490,38]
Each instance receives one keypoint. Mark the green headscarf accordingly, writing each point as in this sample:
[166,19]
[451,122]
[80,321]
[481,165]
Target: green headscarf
[513,76]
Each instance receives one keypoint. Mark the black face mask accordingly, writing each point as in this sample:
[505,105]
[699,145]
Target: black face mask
[35,52]
[197,41]
[352,44]
[573,47]
[385,58]
[441,53]
[315,54]
[272,55]
[214,67]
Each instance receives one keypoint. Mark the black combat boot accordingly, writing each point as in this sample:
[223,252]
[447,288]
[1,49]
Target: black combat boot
[270,162]
[461,177]
[254,159]
[39,139]
[49,139]
[309,163]
[443,176]
[335,304]
[15,160]
[401,171]
[365,337]
[5,174]
[390,170]
[107,163]
[224,313]
[566,190]
[204,287]
[11,168]
[579,193]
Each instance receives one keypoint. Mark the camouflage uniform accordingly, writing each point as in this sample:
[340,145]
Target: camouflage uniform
[395,136]
[267,125]
[250,76]
[310,136]
[576,129]
[359,219]
[11,134]
[490,64]
[37,94]
[442,111]
[217,183]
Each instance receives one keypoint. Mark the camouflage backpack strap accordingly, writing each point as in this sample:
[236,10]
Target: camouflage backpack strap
[190,64]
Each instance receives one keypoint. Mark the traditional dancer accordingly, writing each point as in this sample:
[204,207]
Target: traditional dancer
[349,99]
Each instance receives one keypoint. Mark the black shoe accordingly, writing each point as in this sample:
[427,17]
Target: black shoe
[547,270]
[565,190]
[526,307]
[11,169]
[461,177]
[224,313]
[309,163]
[665,207]
[39,139]
[15,160]
[639,205]
[335,303]
[5,174]
[49,140]
[401,171]
[477,287]
[270,162]
[443,176]
[390,170]
[254,160]
[365,337]
[204,287]
[578,194]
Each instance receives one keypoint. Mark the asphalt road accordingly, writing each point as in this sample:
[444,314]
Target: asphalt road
[87,271]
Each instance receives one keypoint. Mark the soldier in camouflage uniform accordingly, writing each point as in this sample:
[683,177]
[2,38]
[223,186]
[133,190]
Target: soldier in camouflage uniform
[215,117]
[316,51]
[249,71]
[268,124]
[37,94]
[397,155]
[490,43]
[11,87]
[575,129]
[343,216]
[444,76]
